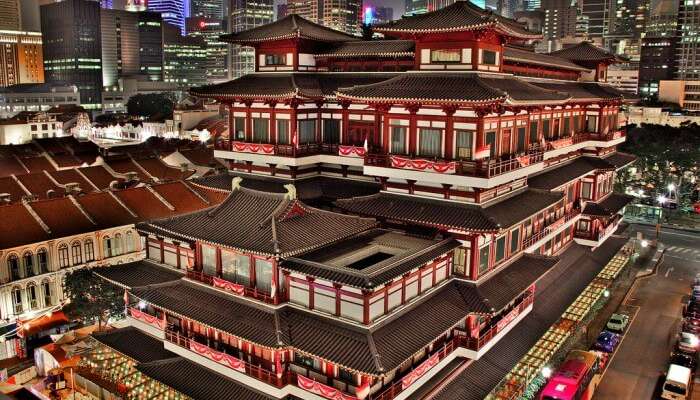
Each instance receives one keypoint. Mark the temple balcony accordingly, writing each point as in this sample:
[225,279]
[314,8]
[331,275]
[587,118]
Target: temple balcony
[231,287]
[596,236]
[285,154]
[537,239]
[557,147]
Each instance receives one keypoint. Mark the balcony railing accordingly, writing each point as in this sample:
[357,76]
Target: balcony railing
[564,142]
[484,338]
[242,291]
[536,237]
[283,150]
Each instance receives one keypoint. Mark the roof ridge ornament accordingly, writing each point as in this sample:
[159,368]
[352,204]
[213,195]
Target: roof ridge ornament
[236,183]
[291,191]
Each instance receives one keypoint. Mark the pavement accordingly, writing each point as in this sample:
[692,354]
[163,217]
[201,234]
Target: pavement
[555,292]
[655,303]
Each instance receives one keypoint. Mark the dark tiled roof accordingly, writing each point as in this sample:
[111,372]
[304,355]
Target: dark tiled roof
[290,27]
[555,177]
[513,54]
[372,48]
[138,273]
[620,160]
[512,210]
[460,16]
[514,279]
[39,184]
[421,211]
[62,217]
[317,263]
[196,381]
[265,223]
[583,90]
[67,176]
[216,309]
[586,52]
[105,210]
[25,228]
[8,185]
[134,344]
[99,176]
[451,87]
[288,85]
[609,206]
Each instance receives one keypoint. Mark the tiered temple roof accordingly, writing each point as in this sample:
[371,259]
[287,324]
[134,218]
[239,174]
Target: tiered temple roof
[560,175]
[290,27]
[585,52]
[372,48]
[515,54]
[607,207]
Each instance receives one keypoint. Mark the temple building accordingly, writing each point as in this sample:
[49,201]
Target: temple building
[391,207]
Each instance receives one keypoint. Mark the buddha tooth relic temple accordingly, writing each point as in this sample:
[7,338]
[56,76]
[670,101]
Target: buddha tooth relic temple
[391,205]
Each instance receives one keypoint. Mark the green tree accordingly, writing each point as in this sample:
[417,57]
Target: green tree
[92,299]
[367,32]
[151,104]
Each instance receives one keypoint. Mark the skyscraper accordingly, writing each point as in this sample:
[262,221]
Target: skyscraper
[244,15]
[173,11]
[21,58]
[72,47]
[213,9]
[10,15]
[342,15]
[183,58]
[209,30]
[688,52]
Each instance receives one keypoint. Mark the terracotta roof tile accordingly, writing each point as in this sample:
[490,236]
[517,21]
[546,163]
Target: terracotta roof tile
[99,176]
[67,176]
[141,201]
[38,164]
[202,156]
[213,195]
[10,166]
[62,217]
[512,54]
[19,227]
[105,210]
[290,27]
[180,196]
[372,48]
[125,166]
[586,52]
[10,186]
[162,171]
[65,160]
[39,184]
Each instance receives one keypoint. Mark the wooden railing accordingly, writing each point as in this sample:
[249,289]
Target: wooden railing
[537,236]
[284,150]
[477,343]
[248,292]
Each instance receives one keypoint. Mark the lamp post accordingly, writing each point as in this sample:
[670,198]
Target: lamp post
[662,200]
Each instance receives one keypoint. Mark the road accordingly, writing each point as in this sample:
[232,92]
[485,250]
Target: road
[635,369]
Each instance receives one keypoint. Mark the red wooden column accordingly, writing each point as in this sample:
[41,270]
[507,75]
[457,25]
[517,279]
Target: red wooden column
[365,306]
[275,280]
[287,284]
[219,267]
[412,129]
[600,118]
[251,271]
[148,251]
[474,273]
[386,130]
[479,129]
[449,131]
[319,123]
[177,254]
[311,280]
[162,250]
[248,122]
[231,126]
[273,122]
[293,126]
[345,128]
[337,288]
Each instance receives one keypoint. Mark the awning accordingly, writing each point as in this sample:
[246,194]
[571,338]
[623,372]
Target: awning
[42,323]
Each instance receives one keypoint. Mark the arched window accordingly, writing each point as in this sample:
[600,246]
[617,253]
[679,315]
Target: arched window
[89,251]
[17,299]
[42,259]
[77,253]
[46,291]
[13,266]
[107,246]
[32,296]
[28,261]
[129,242]
[63,260]
[118,245]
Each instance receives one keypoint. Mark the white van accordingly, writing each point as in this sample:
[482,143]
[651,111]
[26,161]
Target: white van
[677,384]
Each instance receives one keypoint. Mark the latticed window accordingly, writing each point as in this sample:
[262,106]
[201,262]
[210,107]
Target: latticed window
[398,140]
[89,250]
[331,131]
[282,131]
[77,253]
[13,266]
[42,257]
[63,258]
[430,142]
[446,55]
[46,291]
[261,130]
[307,131]
[464,144]
[28,260]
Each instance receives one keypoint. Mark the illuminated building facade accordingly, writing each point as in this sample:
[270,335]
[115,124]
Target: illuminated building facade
[341,15]
[209,30]
[21,58]
[173,12]
[244,15]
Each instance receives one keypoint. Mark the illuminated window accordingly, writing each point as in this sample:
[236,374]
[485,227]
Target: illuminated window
[445,55]
[275,59]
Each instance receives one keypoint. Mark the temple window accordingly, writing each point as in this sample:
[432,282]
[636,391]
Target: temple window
[577,123]
[263,275]
[483,259]
[398,140]
[491,141]
[239,127]
[489,57]
[331,131]
[445,55]
[533,131]
[299,294]
[209,260]
[521,139]
[308,362]
[324,300]
[591,123]
[586,190]
[307,131]
[514,240]
[460,260]
[567,127]
[464,142]
[430,143]
[235,267]
[500,249]
[545,127]
[275,59]
[282,131]
[570,195]
[261,130]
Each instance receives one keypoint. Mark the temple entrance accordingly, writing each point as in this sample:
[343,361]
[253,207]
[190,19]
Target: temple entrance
[358,131]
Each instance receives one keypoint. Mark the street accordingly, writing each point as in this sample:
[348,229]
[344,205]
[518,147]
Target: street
[643,355]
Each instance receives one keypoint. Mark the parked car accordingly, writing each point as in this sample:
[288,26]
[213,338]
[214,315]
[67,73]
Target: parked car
[688,343]
[607,341]
[691,325]
[617,323]
[684,360]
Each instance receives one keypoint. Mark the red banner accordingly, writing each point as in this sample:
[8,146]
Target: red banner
[149,319]
[219,357]
[482,152]
[228,286]
[254,147]
[425,366]
[561,143]
[524,161]
[351,151]
[507,319]
[423,165]
[322,390]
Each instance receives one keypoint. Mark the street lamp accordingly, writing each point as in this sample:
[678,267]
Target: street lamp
[546,372]
[644,243]
[662,200]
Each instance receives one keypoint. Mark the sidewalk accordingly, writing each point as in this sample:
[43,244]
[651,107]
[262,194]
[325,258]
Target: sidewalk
[664,225]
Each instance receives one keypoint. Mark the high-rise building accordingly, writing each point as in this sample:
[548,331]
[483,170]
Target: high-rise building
[10,15]
[414,7]
[209,30]
[184,57]
[688,51]
[383,14]
[21,58]
[72,47]
[244,15]
[151,45]
[281,10]
[559,19]
[174,12]
[342,15]
[213,9]
[596,12]
[659,45]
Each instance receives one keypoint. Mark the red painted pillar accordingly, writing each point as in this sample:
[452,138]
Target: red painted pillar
[337,287]
[345,128]
[412,130]
[449,132]
[177,254]
[311,291]
[365,307]
[231,126]
[251,269]
[276,280]
[219,267]
[474,273]
[273,123]
[162,251]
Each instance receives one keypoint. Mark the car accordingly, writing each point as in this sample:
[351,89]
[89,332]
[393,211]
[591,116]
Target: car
[691,325]
[607,341]
[617,323]
[688,343]
[684,360]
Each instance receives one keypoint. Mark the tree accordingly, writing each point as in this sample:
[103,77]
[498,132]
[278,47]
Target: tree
[148,105]
[367,32]
[92,299]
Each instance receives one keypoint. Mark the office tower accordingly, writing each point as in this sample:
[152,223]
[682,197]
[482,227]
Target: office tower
[559,19]
[507,8]
[173,11]
[342,15]
[151,45]
[626,23]
[21,58]
[209,30]
[596,12]
[383,14]
[658,53]
[184,58]
[414,7]
[10,15]
[244,15]
[135,5]
[688,51]
[213,9]
[532,5]
[72,47]
[281,10]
